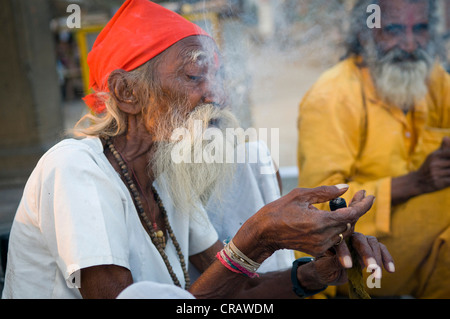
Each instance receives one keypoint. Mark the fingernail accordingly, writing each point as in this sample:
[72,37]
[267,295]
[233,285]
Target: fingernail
[378,273]
[371,262]
[348,262]
[391,267]
[341,186]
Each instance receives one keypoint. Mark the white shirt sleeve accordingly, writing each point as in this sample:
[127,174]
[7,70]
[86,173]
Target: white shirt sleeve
[202,233]
[82,215]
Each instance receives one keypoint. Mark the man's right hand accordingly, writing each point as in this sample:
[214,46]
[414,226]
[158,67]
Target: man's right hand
[434,174]
[292,222]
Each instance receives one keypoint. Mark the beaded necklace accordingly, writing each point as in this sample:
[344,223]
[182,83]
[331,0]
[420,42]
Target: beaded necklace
[157,236]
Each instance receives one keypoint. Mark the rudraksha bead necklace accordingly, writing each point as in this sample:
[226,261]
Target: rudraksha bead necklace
[157,236]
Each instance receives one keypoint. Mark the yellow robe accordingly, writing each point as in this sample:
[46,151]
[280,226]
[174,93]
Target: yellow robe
[348,135]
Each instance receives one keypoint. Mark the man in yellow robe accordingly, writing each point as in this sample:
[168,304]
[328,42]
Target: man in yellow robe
[380,121]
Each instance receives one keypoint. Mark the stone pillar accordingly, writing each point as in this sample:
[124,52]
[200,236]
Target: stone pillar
[30,102]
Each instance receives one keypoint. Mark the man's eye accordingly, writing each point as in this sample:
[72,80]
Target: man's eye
[195,77]
[419,28]
[393,29]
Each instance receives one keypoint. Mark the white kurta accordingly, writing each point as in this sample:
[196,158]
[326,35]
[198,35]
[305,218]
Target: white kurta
[254,185]
[251,188]
[76,212]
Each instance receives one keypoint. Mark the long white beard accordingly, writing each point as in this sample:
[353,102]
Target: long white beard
[190,183]
[400,83]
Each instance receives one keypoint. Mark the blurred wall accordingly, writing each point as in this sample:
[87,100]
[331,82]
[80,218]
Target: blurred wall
[30,111]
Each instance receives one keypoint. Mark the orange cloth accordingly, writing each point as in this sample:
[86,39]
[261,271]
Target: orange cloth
[139,31]
[348,135]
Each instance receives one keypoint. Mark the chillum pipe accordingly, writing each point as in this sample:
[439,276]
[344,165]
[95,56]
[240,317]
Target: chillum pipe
[355,278]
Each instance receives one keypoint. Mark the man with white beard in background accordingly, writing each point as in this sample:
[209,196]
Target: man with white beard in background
[380,121]
[114,208]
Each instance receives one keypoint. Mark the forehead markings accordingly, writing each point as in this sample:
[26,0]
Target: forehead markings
[413,13]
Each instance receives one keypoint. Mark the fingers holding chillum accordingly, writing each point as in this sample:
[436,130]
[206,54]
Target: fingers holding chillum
[342,221]
[388,261]
[344,255]
[359,206]
[344,234]
[327,226]
[372,254]
[319,194]
[359,195]
[341,248]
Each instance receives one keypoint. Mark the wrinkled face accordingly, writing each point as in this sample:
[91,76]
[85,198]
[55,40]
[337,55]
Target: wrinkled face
[404,26]
[188,75]
[190,72]
[192,93]
[400,54]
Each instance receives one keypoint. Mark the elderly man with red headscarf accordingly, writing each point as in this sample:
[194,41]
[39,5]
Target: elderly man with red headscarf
[115,208]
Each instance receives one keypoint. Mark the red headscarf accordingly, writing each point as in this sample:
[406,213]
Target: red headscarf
[139,31]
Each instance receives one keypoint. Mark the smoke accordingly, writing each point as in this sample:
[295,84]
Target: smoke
[273,51]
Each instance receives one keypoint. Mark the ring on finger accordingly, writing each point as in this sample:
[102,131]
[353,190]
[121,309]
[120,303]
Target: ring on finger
[348,227]
[341,239]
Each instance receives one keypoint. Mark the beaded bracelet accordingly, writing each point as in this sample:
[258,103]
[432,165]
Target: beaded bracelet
[236,254]
[233,259]
[227,263]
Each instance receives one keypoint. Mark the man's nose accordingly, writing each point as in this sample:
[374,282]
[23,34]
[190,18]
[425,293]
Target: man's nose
[409,42]
[214,93]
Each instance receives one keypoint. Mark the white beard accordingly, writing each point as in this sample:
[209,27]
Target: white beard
[400,83]
[190,184]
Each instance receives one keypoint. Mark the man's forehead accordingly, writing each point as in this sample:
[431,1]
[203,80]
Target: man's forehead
[404,11]
[195,49]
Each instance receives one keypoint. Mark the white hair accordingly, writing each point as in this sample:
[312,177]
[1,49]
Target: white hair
[189,183]
[401,84]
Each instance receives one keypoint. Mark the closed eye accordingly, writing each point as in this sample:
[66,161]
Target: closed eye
[394,29]
[421,27]
[196,78]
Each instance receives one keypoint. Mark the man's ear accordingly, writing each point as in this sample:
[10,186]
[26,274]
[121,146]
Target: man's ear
[123,92]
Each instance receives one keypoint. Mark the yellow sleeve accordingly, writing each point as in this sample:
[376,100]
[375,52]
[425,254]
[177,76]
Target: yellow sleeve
[439,95]
[330,133]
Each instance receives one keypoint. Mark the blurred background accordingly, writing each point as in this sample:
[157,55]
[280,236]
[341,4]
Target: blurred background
[274,50]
